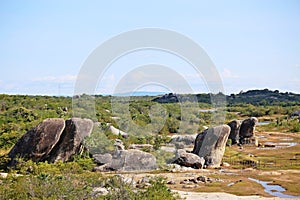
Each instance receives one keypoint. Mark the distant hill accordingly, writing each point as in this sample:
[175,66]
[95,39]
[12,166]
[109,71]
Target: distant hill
[254,97]
[264,97]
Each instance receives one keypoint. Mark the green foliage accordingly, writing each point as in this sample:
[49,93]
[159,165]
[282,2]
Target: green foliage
[163,157]
[158,190]
[295,126]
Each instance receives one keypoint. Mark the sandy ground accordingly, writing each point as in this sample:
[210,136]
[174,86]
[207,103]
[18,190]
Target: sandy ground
[220,196]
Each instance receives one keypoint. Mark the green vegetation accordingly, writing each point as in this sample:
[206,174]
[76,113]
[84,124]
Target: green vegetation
[74,180]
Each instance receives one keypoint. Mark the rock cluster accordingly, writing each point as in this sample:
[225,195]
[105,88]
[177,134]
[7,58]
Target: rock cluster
[242,131]
[58,140]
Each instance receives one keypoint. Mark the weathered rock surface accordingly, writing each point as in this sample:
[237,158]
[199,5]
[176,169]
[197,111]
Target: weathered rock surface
[210,144]
[52,140]
[129,160]
[190,160]
[234,131]
[37,143]
[247,128]
[102,158]
[72,137]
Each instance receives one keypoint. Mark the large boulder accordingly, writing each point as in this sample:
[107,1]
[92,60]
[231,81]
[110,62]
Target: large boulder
[247,128]
[210,144]
[52,140]
[37,143]
[129,160]
[189,160]
[234,131]
[71,139]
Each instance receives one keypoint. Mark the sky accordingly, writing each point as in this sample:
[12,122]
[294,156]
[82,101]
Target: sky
[253,44]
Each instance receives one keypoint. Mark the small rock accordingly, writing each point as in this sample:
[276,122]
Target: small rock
[225,164]
[99,191]
[144,180]
[171,182]
[189,186]
[202,179]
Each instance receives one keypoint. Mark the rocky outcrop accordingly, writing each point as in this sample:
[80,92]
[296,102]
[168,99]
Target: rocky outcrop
[37,143]
[247,128]
[129,160]
[210,144]
[234,131]
[167,98]
[52,140]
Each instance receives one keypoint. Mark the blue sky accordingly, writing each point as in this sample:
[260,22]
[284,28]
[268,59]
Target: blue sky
[253,43]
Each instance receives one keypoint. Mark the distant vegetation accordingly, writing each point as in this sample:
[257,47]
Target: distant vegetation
[264,98]
[19,113]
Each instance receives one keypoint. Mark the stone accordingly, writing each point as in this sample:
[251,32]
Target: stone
[185,139]
[144,180]
[247,128]
[38,142]
[234,131]
[171,182]
[130,160]
[116,131]
[202,179]
[225,164]
[99,191]
[190,160]
[210,144]
[71,139]
[119,145]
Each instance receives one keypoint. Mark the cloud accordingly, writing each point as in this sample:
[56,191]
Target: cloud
[226,73]
[56,79]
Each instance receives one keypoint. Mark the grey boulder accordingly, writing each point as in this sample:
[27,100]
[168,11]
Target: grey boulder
[129,160]
[38,142]
[52,140]
[247,128]
[71,139]
[234,132]
[185,139]
[210,144]
[190,160]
